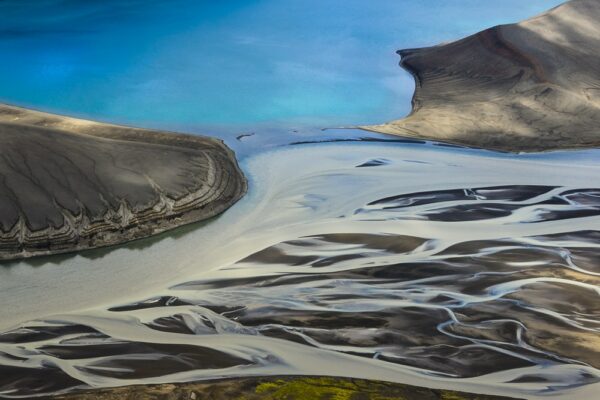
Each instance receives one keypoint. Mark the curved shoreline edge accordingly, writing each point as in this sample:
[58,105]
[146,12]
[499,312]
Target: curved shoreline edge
[68,184]
[526,87]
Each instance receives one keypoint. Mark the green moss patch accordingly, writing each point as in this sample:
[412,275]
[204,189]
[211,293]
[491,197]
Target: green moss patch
[278,388]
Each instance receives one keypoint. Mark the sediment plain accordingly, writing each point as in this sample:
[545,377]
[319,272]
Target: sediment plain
[68,184]
[525,87]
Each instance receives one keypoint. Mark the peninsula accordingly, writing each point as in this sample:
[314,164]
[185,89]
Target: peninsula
[68,184]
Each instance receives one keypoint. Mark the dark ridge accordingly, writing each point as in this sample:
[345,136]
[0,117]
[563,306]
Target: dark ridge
[68,184]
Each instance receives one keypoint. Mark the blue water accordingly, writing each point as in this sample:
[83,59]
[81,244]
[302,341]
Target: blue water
[221,67]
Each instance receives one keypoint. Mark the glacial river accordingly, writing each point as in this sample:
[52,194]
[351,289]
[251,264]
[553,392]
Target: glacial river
[362,255]
[409,262]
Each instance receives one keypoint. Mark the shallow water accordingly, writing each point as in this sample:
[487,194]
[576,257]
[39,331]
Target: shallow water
[413,263]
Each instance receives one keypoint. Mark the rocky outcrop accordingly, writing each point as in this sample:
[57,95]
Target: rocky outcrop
[68,184]
[530,86]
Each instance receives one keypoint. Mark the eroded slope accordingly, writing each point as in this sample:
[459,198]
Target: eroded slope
[69,184]
[529,86]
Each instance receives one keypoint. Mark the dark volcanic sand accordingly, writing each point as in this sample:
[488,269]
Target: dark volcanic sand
[530,86]
[69,184]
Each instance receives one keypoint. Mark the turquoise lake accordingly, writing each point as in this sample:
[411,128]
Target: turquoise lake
[225,68]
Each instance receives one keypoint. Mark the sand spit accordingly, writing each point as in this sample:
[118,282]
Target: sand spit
[531,86]
[68,184]
[291,388]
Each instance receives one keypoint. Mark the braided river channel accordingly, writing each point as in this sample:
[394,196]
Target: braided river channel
[404,261]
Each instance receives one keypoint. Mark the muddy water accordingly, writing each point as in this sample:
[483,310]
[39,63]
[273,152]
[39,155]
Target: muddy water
[407,262]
